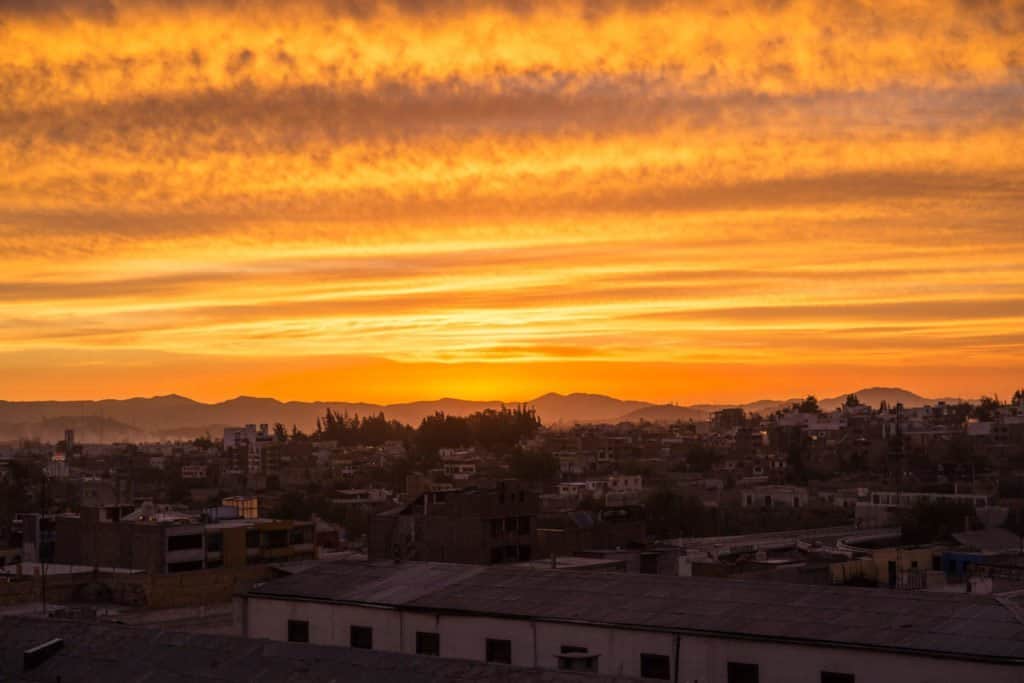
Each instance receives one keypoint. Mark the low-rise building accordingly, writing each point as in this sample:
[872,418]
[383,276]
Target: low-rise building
[642,626]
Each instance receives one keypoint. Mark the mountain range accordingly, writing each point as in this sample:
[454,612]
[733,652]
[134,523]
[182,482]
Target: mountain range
[177,417]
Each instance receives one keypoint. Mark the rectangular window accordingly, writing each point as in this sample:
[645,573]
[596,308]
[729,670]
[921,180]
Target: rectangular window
[742,673]
[577,662]
[833,677]
[361,636]
[190,542]
[428,643]
[499,651]
[214,543]
[252,539]
[655,666]
[524,525]
[298,631]
[192,566]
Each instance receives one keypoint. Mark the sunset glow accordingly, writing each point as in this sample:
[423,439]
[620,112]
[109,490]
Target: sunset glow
[401,200]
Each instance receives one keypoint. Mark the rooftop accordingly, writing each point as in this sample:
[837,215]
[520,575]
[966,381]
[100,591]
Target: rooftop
[98,652]
[964,626]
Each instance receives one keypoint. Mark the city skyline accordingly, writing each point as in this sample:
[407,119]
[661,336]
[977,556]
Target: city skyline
[392,201]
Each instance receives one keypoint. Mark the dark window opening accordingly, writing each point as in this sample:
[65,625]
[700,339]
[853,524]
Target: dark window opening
[428,643]
[524,553]
[252,539]
[214,543]
[499,651]
[577,661]
[277,538]
[524,525]
[184,566]
[190,542]
[833,677]
[298,631]
[573,649]
[655,666]
[361,637]
[742,673]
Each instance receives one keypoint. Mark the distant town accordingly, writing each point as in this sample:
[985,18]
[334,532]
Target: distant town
[593,546]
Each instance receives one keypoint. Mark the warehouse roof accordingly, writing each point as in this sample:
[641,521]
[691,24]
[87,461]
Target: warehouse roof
[112,652]
[936,624]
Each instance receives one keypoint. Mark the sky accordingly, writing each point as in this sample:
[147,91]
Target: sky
[397,200]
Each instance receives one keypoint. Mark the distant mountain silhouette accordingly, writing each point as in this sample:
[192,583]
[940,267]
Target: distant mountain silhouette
[176,417]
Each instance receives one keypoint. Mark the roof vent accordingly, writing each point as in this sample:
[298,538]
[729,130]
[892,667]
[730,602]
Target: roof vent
[35,656]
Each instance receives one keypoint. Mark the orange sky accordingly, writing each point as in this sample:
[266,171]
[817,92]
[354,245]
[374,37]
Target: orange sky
[385,201]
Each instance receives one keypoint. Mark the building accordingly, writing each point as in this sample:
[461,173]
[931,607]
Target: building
[473,525]
[166,543]
[642,626]
[48,650]
[775,496]
[248,507]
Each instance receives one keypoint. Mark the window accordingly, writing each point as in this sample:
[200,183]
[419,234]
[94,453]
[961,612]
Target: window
[524,525]
[742,673]
[277,538]
[833,677]
[499,651]
[298,631]
[252,539]
[214,543]
[192,566]
[428,643]
[496,528]
[577,661]
[361,636]
[189,542]
[655,666]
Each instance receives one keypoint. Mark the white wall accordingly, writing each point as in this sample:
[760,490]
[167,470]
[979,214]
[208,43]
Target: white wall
[535,644]
[704,660]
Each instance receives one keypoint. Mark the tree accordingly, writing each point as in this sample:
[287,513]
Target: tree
[809,405]
[930,522]
[852,401]
[986,409]
[280,433]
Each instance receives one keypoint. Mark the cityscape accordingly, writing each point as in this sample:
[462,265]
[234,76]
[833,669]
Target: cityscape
[511,340]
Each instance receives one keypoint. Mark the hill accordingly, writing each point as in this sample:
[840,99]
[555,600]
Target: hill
[177,417]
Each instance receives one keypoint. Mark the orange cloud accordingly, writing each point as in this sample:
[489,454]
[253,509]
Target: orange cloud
[637,198]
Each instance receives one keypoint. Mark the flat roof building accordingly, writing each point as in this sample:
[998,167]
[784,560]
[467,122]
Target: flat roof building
[643,626]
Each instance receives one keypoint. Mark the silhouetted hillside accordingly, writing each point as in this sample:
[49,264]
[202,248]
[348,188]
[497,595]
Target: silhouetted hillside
[177,417]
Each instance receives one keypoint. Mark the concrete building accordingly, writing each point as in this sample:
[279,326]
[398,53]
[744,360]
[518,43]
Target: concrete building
[632,625]
[162,543]
[48,650]
[474,525]
[775,496]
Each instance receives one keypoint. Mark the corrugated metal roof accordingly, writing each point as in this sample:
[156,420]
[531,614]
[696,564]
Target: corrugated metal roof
[959,625]
[111,652]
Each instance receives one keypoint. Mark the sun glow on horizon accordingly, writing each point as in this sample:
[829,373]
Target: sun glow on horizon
[386,201]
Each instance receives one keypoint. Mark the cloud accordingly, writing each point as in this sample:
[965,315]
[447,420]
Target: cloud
[450,183]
